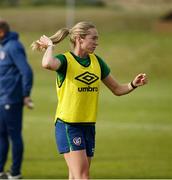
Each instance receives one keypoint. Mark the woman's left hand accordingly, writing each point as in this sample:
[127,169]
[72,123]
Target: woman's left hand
[140,80]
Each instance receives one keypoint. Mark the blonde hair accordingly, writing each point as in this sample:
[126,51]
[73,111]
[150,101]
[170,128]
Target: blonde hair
[80,29]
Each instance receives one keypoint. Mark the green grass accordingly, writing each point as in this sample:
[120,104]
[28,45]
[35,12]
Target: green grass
[133,136]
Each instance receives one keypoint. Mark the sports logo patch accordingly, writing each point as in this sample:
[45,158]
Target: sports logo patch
[7,107]
[2,55]
[77,141]
[87,78]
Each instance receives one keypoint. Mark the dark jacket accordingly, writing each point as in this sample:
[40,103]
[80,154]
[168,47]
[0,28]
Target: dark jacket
[16,77]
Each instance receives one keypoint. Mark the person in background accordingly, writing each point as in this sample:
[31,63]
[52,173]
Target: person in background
[16,80]
[79,73]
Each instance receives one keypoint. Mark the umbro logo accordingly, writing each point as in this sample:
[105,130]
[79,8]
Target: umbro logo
[87,78]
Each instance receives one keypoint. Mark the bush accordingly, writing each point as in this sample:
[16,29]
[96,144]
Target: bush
[89,2]
[47,2]
[63,2]
[9,2]
[50,2]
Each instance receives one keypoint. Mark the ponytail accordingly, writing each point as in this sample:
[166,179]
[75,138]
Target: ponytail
[56,38]
[80,29]
[59,35]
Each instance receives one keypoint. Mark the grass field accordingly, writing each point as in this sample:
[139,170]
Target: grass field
[134,132]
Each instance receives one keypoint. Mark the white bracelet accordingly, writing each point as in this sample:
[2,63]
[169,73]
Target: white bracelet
[50,43]
[130,87]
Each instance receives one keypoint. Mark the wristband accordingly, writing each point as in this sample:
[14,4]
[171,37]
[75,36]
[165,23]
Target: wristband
[133,86]
[52,46]
[130,87]
[50,43]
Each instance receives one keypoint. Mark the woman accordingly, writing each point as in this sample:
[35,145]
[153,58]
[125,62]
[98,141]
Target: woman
[78,77]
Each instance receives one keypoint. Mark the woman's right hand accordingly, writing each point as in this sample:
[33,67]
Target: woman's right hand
[42,44]
[46,41]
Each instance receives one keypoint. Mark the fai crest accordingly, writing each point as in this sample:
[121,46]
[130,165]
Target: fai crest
[77,141]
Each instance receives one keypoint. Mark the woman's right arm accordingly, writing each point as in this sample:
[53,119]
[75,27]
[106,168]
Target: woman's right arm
[48,60]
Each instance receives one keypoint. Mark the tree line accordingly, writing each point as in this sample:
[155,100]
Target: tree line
[14,3]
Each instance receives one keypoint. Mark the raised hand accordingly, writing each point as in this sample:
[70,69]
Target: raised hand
[44,40]
[140,80]
[42,43]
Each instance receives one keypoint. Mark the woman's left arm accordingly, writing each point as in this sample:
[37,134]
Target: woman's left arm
[121,89]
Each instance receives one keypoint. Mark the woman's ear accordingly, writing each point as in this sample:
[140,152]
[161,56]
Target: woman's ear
[79,39]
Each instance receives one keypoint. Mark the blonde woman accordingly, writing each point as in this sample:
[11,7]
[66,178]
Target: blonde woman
[79,73]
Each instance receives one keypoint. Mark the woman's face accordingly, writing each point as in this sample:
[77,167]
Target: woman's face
[90,41]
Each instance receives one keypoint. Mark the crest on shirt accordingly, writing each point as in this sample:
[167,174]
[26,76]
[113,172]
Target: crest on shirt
[2,55]
[77,141]
[87,78]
